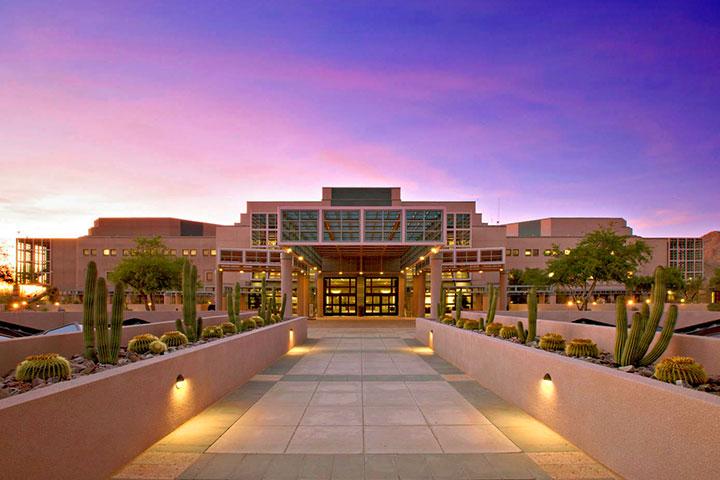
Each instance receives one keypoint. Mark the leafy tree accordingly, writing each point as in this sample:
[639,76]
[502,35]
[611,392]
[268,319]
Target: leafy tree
[6,274]
[149,270]
[535,277]
[714,281]
[601,256]
[692,288]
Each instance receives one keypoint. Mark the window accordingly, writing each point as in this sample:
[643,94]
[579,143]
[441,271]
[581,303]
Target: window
[209,276]
[458,229]
[106,252]
[341,225]
[264,229]
[508,252]
[213,252]
[383,226]
[93,252]
[300,225]
[173,252]
[231,256]
[528,252]
[566,251]
[547,252]
[186,252]
[125,252]
[423,225]
[536,252]
[193,252]
[86,252]
[206,252]
[493,255]
[516,252]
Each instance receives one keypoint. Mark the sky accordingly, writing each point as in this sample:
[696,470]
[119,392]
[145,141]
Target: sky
[189,109]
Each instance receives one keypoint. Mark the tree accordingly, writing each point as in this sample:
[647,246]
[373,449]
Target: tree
[714,281]
[149,269]
[601,256]
[534,277]
[6,272]
[692,288]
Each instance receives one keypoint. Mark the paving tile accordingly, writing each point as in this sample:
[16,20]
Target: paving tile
[473,439]
[336,398]
[400,439]
[380,467]
[333,415]
[150,471]
[316,467]
[516,466]
[445,467]
[331,386]
[271,414]
[252,467]
[387,394]
[327,439]
[284,467]
[391,415]
[348,467]
[250,439]
[578,472]
[537,438]
[412,466]
[214,466]
[453,415]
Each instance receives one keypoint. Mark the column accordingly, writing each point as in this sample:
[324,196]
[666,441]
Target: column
[218,289]
[435,284]
[319,294]
[401,295]
[477,301]
[303,293]
[418,295]
[502,301]
[286,281]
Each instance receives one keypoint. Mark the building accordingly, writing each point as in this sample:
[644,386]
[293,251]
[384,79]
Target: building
[357,251]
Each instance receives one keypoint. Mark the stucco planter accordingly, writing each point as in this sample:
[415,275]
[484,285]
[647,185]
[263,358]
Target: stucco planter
[89,427]
[639,427]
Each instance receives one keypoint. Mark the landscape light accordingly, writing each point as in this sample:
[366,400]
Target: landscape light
[647,301]
[422,257]
[382,273]
[434,250]
[339,273]
[24,302]
[288,250]
[569,303]
[180,382]
[301,258]
[682,300]
[360,273]
[57,304]
[631,302]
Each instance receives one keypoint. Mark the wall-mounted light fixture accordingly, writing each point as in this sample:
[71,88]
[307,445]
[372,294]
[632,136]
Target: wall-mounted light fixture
[547,378]
[180,382]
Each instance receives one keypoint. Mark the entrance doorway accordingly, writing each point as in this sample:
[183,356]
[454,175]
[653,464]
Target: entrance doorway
[381,296]
[340,296]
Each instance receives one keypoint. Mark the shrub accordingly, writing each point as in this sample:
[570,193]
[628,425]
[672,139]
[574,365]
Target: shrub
[672,369]
[228,328]
[509,331]
[157,347]
[471,325]
[141,343]
[275,317]
[174,338]
[713,307]
[493,328]
[552,341]
[582,347]
[213,331]
[47,365]
[448,321]
[460,322]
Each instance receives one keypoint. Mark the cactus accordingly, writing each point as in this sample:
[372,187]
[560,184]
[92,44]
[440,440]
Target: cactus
[108,343]
[632,348]
[552,341]
[283,304]
[442,305]
[248,324]
[582,347]
[532,316]
[458,306]
[685,369]
[522,334]
[508,331]
[43,366]
[89,311]
[230,307]
[228,328]
[212,331]
[157,347]
[481,324]
[492,305]
[141,343]
[493,328]
[459,322]
[448,321]
[174,339]
[471,325]
[189,326]
[259,321]
[236,306]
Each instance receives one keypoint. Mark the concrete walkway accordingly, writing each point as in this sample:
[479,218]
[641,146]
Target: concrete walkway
[362,403]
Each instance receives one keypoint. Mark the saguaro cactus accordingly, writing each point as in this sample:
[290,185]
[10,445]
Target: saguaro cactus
[442,304]
[230,307]
[189,324]
[631,348]
[492,305]
[458,305]
[108,343]
[88,310]
[236,306]
[283,304]
[527,336]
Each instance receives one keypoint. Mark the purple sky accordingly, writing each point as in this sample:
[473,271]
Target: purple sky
[190,109]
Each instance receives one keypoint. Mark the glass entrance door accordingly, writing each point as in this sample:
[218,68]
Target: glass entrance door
[381,296]
[340,296]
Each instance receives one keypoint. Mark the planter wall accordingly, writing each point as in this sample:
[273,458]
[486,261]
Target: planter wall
[89,427]
[639,427]
[15,350]
[705,350]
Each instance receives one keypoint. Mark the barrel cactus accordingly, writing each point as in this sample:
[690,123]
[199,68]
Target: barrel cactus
[174,338]
[508,331]
[582,347]
[212,331]
[471,325]
[228,328]
[259,321]
[248,324]
[448,321]
[44,366]
[141,343]
[552,341]
[459,322]
[157,347]
[685,369]
[493,328]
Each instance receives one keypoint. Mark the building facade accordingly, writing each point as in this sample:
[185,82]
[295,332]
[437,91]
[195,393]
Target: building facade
[357,251]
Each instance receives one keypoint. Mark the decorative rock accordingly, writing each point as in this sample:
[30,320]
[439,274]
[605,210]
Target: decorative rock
[628,369]
[37,381]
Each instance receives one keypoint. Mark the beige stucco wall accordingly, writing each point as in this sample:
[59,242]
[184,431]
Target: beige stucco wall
[638,427]
[90,427]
